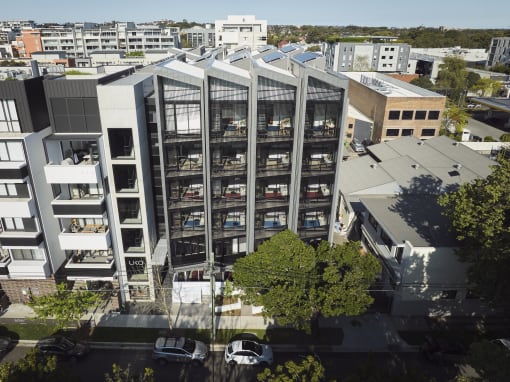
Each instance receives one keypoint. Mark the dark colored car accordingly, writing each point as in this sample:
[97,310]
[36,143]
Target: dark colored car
[443,350]
[62,347]
[5,345]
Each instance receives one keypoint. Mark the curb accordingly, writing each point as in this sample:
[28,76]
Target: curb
[277,348]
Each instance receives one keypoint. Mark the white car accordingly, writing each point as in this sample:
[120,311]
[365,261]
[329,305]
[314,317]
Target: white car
[248,352]
[357,146]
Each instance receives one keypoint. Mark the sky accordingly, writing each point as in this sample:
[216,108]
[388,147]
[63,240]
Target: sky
[389,13]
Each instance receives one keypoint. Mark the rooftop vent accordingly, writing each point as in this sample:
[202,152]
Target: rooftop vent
[421,143]
[416,165]
[373,165]
[457,166]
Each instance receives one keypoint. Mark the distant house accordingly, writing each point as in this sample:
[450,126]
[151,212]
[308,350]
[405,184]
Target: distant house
[389,202]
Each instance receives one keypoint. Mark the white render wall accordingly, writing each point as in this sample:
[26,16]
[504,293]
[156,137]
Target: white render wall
[241,30]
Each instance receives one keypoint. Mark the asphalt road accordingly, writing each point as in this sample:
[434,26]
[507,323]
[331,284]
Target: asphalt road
[338,365]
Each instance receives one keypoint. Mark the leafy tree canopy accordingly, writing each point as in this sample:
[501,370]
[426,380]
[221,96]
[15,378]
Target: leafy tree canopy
[36,367]
[423,82]
[480,215]
[308,370]
[126,375]
[64,306]
[296,283]
[491,361]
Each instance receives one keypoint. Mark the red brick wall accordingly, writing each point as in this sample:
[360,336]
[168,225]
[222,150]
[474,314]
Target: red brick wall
[14,288]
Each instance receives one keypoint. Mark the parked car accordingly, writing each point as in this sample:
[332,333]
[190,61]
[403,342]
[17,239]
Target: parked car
[246,349]
[357,146]
[503,343]
[5,344]
[63,347]
[443,350]
[179,349]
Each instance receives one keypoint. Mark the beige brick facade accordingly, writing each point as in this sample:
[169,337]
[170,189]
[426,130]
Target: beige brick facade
[419,116]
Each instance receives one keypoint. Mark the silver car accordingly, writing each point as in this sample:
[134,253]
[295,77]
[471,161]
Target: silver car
[248,352]
[357,146]
[179,349]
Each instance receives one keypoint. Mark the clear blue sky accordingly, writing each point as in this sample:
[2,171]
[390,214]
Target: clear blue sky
[390,13]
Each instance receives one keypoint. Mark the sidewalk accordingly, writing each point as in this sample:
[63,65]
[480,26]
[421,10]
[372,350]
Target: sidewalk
[368,333]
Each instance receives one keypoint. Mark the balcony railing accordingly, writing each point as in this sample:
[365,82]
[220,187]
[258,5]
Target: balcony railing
[67,172]
[91,236]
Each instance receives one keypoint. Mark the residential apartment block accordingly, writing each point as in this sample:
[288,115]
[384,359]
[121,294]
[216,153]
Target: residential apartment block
[362,57]
[187,163]
[198,36]
[499,52]
[81,39]
[246,150]
[241,30]
[396,108]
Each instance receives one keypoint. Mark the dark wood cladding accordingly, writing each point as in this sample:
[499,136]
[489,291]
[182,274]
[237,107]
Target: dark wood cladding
[22,241]
[79,209]
[14,173]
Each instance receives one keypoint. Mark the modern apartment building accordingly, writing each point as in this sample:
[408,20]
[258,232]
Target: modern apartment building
[246,149]
[29,250]
[362,57]
[198,36]
[81,39]
[242,30]
[499,52]
[397,109]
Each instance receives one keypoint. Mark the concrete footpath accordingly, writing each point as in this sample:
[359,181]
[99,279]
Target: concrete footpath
[372,332]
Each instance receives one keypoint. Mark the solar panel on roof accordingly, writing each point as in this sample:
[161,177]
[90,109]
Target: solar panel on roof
[287,48]
[264,48]
[238,56]
[306,56]
[273,56]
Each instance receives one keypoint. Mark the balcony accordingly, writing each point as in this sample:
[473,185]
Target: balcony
[320,162]
[5,260]
[83,205]
[90,264]
[17,207]
[276,129]
[67,172]
[234,163]
[91,236]
[13,170]
[21,238]
[279,162]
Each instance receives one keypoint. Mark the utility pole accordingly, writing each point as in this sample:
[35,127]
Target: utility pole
[212,281]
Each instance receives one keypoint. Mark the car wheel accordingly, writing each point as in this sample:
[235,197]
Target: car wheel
[232,363]
[162,361]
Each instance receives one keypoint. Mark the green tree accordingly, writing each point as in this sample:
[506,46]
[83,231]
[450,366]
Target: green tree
[454,121]
[297,284]
[486,87]
[504,137]
[452,78]
[64,306]
[308,370]
[480,215]
[314,48]
[490,361]
[36,367]
[471,79]
[422,82]
[126,375]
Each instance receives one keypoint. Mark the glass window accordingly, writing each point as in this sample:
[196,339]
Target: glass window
[373,222]
[420,114]
[407,114]
[9,120]
[394,114]
[434,114]
[386,239]
[27,254]
[392,132]
[399,252]
[11,151]
[428,132]
[407,132]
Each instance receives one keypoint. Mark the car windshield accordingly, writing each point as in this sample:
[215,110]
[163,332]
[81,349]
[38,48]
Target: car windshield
[253,346]
[189,345]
